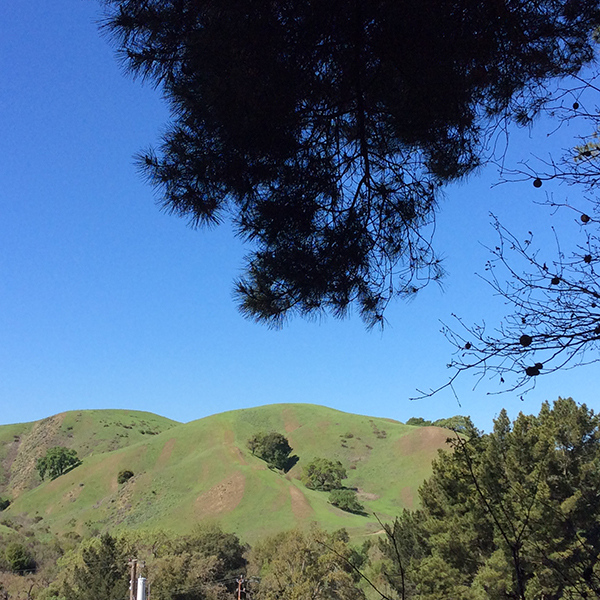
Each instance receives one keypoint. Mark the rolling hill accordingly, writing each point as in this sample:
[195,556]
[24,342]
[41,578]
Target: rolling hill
[203,470]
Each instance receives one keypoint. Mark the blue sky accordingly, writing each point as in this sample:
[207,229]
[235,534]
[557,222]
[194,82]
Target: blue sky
[107,302]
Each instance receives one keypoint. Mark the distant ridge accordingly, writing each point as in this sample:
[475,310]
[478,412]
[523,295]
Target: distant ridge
[184,473]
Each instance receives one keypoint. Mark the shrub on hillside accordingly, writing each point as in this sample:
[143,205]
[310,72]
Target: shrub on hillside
[346,500]
[19,558]
[4,504]
[419,422]
[124,476]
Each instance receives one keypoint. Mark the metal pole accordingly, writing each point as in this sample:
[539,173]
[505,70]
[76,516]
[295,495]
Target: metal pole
[141,588]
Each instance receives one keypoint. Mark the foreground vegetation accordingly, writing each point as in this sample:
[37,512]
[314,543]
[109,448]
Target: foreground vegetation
[510,514]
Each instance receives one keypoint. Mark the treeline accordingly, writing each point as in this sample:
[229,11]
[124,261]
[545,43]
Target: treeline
[510,514]
[456,423]
[513,514]
[205,564]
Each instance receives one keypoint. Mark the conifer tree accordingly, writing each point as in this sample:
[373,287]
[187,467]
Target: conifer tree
[325,130]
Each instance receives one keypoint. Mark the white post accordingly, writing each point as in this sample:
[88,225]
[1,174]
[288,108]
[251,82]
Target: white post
[141,588]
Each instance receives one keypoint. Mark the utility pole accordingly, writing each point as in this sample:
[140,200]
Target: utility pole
[240,582]
[132,590]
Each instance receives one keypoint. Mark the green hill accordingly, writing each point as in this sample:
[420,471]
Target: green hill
[203,470]
[88,432]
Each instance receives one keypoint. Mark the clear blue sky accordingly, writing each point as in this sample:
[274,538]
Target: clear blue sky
[106,302]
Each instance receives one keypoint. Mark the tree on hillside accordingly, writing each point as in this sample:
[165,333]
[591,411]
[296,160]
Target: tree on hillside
[325,130]
[455,423]
[56,462]
[510,514]
[272,447]
[323,474]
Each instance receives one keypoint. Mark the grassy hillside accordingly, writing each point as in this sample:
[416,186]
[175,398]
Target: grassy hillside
[203,470]
[89,432]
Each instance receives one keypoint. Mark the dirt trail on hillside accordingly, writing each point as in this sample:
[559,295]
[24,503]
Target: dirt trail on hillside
[290,420]
[300,506]
[221,498]
[235,452]
[165,453]
[33,445]
[424,439]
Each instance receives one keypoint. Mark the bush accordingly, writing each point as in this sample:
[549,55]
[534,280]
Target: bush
[19,558]
[4,504]
[346,500]
[419,422]
[124,476]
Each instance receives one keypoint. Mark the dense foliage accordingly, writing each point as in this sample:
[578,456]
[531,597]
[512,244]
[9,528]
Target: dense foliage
[347,500]
[511,514]
[203,564]
[102,574]
[297,565]
[124,475]
[326,129]
[19,558]
[272,447]
[323,474]
[56,462]
[209,540]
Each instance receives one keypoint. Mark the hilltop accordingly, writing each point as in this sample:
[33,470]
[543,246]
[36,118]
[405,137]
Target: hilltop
[184,473]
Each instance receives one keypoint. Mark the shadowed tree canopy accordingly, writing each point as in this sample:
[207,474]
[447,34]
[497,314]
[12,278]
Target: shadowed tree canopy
[325,130]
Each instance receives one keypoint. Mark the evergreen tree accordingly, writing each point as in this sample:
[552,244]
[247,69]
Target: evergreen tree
[326,129]
[510,514]
[19,558]
[103,574]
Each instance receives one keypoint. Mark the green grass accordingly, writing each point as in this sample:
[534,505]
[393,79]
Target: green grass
[202,470]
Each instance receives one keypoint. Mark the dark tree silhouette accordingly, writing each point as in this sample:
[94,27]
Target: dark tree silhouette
[325,130]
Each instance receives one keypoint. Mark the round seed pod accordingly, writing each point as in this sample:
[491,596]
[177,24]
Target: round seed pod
[525,340]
